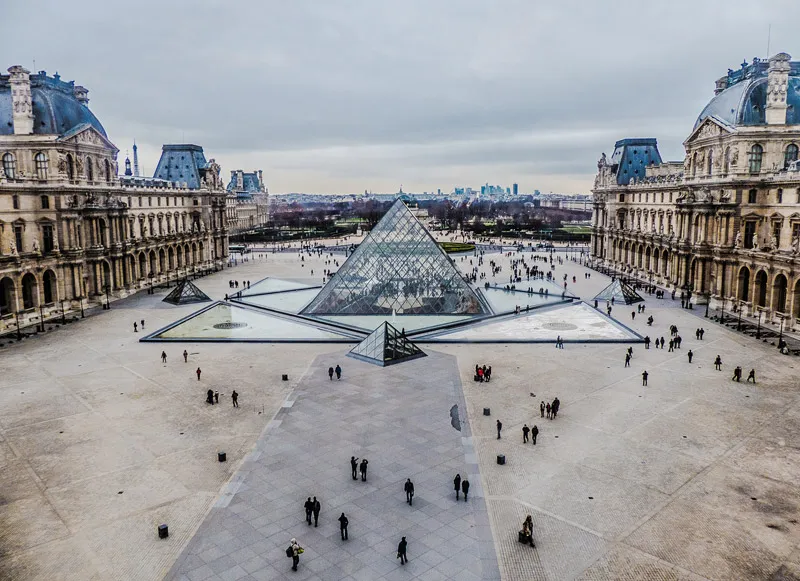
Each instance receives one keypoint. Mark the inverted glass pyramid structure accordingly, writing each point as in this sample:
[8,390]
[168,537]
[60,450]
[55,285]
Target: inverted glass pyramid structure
[185,293]
[620,292]
[398,268]
[386,346]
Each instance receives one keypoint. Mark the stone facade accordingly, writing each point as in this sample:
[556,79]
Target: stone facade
[724,223]
[73,232]
[247,202]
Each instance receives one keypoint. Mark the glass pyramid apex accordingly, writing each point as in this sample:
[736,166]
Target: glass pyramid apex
[185,293]
[620,292]
[386,346]
[398,268]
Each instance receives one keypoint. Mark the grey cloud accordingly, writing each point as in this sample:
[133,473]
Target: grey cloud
[349,90]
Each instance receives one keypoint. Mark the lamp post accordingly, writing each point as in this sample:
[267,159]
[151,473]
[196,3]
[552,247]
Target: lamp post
[722,316]
[150,276]
[108,303]
[739,323]
[780,334]
[41,317]
[19,333]
[63,316]
[758,328]
[708,300]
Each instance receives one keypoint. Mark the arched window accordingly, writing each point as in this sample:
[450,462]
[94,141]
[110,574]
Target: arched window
[108,172]
[10,166]
[89,169]
[710,161]
[756,154]
[726,163]
[694,164]
[41,165]
[70,168]
[790,155]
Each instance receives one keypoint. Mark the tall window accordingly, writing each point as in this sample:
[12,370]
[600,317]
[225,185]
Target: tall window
[10,166]
[45,202]
[776,230]
[89,169]
[749,234]
[752,196]
[780,195]
[47,236]
[70,167]
[108,172]
[18,237]
[790,155]
[726,162]
[756,154]
[15,201]
[710,161]
[41,165]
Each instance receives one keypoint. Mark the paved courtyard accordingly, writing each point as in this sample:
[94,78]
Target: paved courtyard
[693,477]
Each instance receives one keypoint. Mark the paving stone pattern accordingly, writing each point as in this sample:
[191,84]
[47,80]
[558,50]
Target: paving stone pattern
[399,419]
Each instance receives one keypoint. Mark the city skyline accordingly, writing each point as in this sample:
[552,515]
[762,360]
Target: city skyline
[421,95]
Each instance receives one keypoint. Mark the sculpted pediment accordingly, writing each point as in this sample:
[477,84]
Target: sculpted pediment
[85,134]
[709,128]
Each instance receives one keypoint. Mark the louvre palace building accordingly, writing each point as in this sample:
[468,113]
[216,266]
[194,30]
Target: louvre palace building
[72,231]
[724,223]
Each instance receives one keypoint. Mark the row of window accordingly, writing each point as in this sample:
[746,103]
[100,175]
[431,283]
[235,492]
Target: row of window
[752,197]
[44,200]
[755,159]
[48,238]
[41,163]
[158,201]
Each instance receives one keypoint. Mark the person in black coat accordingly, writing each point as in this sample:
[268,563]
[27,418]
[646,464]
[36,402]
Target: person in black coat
[409,488]
[363,468]
[465,488]
[309,506]
[401,551]
[343,522]
[457,484]
[316,509]
[534,433]
[354,466]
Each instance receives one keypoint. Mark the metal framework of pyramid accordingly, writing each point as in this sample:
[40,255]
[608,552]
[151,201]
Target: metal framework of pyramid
[386,346]
[620,292]
[398,268]
[185,293]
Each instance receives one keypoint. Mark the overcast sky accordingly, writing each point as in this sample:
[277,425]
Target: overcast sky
[343,96]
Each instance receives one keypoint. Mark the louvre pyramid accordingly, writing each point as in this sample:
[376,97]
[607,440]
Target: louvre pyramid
[398,268]
[386,346]
[620,292]
[186,292]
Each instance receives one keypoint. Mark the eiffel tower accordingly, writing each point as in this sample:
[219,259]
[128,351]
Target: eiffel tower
[398,268]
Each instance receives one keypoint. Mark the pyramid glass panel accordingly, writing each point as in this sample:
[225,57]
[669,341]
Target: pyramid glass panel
[398,268]
[186,292]
[620,292]
[386,346]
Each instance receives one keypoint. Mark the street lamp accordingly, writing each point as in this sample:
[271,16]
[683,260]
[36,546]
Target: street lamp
[63,316]
[41,316]
[19,334]
[739,323]
[150,277]
[722,316]
[758,328]
[108,303]
[80,299]
[708,300]
[780,334]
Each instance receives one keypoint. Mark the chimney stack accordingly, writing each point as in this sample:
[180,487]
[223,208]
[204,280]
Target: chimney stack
[777,84]
[21,102]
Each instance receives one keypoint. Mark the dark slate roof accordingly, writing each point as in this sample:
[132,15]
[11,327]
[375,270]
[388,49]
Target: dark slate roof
[250,183]
[55,108]
[744,100]
[632,156]
[181,163]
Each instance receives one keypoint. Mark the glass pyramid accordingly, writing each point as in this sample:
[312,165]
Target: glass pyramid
[620,292]
[398,268]
[386,346]
[186,292]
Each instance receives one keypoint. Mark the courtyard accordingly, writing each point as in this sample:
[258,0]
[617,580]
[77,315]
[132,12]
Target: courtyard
[692,477]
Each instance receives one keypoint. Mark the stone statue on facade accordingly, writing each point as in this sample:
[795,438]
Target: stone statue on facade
[773,242]
[737,241]
[62,164]
[602,162]
[795,244]
[36,245]
[12,248]
[755,242]
[56,248]
[735,158]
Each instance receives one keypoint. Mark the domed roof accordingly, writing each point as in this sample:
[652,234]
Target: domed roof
[56,108]
[742,96]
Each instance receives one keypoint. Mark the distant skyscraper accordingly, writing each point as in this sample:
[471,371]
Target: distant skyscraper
[515,189]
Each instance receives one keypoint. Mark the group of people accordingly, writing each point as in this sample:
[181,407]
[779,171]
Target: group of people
[337,370]
[235,284]
[483,373]
[550,409]
[359,467]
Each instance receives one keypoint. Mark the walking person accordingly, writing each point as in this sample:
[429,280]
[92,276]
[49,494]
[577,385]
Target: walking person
[525,431]
[185,356]
[465,488]
[555,407]
[309,506]
[198,374]
[330,373]
[737,374]
[363,468]
[401,551]
[534,433]
[142,324]
[644,378]
[457,484]
[343,522]
[718,363]
[541,408]
[627,360]
[409,488]
[316,509]
[548,410]
[499,427]
[235,398]
[690,355]
[338,371]
[163,357]
[294,551]
[751,375]
[135,327]
[210,396]
[354,467]
[216,397]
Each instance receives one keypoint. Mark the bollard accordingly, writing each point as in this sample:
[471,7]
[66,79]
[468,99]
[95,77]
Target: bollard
[501,459]
[487,412]
[222,456]
[163,531]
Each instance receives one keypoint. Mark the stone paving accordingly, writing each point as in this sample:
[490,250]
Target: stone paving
[399,419]
[692,478]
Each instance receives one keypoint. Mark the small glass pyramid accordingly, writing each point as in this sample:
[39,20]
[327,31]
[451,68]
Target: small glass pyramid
[186,292]
[398,268]
[620,292]
[386,346]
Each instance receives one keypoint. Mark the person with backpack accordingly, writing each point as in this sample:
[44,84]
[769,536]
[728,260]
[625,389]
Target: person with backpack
[294,550]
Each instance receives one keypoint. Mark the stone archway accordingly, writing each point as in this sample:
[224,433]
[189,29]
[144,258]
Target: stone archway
[761,289]
[8,296]
[30,291]
[50,287]
[744,284]
[779,293]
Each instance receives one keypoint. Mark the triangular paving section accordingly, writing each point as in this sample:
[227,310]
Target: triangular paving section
[186,293]
[398,268]
[386,346]
[575,322]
